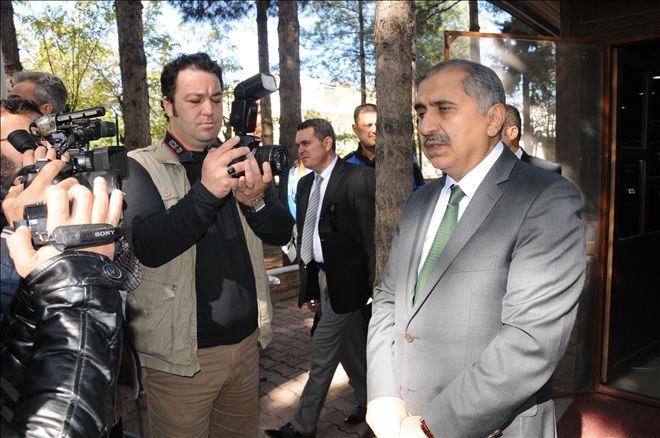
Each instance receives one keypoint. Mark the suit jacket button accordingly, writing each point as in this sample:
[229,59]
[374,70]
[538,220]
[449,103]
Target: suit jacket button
[409,337]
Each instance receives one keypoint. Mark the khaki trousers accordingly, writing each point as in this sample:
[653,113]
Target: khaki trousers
[221,400]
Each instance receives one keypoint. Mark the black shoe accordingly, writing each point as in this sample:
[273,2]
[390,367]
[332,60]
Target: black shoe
[357,416]
[287,431]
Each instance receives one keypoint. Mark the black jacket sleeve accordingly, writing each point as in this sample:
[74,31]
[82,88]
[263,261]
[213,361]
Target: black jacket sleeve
[158,235]
[273,224]
[61,348]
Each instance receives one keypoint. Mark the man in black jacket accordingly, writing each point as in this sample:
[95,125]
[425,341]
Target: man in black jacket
[62,338]
[511,134]
[336,228]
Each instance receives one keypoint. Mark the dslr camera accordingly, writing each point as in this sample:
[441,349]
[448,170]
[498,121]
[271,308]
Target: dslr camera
[72,132]
[243,119]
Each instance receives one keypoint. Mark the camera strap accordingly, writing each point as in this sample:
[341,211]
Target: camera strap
[185,155]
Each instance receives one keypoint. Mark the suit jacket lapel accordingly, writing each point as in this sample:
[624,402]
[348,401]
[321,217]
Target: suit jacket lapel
[478,209]
[335,178]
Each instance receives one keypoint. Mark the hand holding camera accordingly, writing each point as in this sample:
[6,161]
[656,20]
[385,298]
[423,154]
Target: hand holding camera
[74,206]
[20,196]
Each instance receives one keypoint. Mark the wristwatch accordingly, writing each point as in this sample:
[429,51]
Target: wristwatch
[257,205]
[426,430]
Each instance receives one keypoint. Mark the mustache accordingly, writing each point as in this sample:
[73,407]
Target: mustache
[439,138]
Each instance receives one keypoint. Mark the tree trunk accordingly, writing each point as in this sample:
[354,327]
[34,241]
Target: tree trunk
[264,67]
[10,53]
[288,30]
[363,57]
[527,131]
[475,51]
[133,65]
[393,36]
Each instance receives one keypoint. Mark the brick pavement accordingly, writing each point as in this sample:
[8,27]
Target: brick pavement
[284,366]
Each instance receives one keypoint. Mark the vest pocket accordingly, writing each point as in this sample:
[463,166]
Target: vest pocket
[151,317]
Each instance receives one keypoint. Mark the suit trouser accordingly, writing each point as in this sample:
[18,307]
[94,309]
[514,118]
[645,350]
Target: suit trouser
[335,334]
[221,400]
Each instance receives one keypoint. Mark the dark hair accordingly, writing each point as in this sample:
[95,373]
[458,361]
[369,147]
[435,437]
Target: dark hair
[322,129]
[364,108]
[48,88]
[196,61]
[480,82]
[512,117]
[18,105]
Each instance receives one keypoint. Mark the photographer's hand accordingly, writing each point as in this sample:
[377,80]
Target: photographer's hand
[87,208]
[215,174]
[253,184]
[18,197]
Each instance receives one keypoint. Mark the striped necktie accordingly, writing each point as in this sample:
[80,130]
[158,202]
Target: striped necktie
[306,250]
[442,236]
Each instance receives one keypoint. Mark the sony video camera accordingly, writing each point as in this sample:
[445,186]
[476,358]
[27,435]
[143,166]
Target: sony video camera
[243,119]
[72,132]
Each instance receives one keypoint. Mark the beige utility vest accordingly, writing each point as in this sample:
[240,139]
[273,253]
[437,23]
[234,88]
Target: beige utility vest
[163,309]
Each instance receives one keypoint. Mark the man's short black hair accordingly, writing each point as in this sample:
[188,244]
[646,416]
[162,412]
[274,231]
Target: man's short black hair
[18,105]
[364,108]
[322,129]
[512,117]
[196,61]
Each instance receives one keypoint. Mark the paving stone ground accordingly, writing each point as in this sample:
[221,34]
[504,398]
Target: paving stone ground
[284,365]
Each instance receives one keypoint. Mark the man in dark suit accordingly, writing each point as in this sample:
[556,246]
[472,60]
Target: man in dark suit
[335,220]
[480,292]
[511,133]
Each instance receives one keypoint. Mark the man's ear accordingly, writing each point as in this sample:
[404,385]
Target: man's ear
[327,143]
[46,108]
[496,115]
[355,129]
[510,132]
[167,107]
[515,132]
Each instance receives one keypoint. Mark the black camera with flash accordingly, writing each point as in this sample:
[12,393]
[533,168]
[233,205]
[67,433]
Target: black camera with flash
[243,119]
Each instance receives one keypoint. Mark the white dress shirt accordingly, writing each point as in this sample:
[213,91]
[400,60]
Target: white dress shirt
[317,251]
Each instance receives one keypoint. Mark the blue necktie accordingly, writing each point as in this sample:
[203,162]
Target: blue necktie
[306,249]
[441,238]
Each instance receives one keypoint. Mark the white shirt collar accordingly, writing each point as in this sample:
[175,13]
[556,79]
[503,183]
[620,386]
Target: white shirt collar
[328,170]
[471,181]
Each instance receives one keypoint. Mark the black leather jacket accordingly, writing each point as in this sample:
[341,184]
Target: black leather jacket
[62,341]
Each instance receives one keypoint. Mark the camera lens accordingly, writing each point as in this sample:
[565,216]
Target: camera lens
[22,140]
[276,155]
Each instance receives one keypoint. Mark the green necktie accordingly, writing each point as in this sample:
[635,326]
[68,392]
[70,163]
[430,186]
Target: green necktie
[441,237]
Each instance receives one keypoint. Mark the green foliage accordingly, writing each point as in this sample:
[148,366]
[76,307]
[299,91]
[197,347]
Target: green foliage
[221,12]
[72,43]
[77,42]
[334,40]
[432,18]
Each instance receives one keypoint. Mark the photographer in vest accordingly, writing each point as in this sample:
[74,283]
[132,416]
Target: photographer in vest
[203,304]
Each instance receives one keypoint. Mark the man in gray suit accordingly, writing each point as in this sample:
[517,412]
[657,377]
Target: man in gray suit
[480,292]
[511,133]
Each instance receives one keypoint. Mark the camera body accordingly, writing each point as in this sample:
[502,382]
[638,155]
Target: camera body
[72,132]
[243,119]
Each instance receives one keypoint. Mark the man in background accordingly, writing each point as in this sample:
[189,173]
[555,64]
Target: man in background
[45,89]
[335,220]
[364,126]
[511,134]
